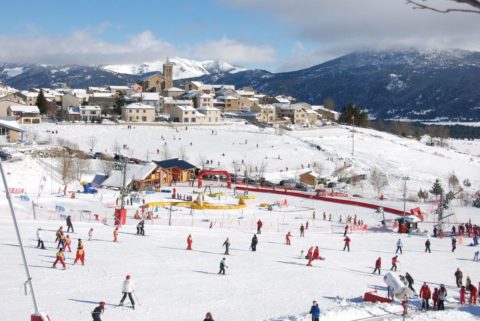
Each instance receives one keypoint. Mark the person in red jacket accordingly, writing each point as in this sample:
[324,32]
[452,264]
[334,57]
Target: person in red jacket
[316,253]
[462,295]
[435,298]
[404,305]
[347,243]
[310,253]
[378,265]
[60,258]
[68,241]
[473,294]
[287,238]
[80,256]
[425,295]
[259,226]
[189,242]
[394,263]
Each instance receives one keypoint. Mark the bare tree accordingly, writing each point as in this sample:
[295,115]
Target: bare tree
[182,153]
[262,168]
[107,166]
[80,166]
[65,169]
[468,5]
[92,142]
[329,103]
[202,160]
[237,166]
[453,182]
[378,180]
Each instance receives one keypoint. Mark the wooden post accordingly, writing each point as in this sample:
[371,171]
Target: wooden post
[33,207]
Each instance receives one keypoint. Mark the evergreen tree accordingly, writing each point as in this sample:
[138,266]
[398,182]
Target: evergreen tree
[437,188]
[352,114]
[466,182]
[119,102]
[42,102]
[450,196]
[422,194]
[329,103]
[476,202]
[453,182]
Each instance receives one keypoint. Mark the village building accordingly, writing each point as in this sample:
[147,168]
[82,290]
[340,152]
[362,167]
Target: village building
[152,99]
[138,113]
[326,114]
[25,114]
[173,92]
[8,101]
[183,114]
[90,113]
[310,178]
[265,113]
[158,82]
[10,131]
[182,171]
[212,114]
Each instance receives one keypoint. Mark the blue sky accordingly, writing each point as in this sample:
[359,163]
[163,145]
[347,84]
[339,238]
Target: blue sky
[271,34]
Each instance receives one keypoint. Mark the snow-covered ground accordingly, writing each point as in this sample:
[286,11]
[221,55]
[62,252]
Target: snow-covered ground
[273,283]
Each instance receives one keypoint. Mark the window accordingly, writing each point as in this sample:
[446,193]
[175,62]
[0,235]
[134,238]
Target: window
[186,120]
[144,118]
[130,111]
[138,117]
[194,120]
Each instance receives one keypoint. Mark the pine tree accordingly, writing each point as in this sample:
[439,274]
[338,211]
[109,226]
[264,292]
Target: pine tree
[466,182]
[42,102]
[119,102]
[437,188]
[352,114]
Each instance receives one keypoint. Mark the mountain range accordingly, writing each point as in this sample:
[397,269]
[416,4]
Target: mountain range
[410,84]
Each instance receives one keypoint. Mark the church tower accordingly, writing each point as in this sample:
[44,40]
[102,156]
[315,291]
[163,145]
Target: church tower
[168,74]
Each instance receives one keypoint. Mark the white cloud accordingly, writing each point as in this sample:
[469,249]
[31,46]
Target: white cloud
[235,52]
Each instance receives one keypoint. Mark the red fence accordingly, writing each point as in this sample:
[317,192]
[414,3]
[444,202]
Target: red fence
[321,198]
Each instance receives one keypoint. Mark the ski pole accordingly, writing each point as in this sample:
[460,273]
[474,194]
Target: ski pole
[136,298]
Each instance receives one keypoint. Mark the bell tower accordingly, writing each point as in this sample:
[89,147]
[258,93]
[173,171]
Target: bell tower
[168,74]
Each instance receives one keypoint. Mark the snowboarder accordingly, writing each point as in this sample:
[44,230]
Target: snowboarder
[410,281]
[60,258]
[189,242]
[458,277]
[435,298]
[302,230]
[287,238]
[227,247]
[40,239]
[208,317]
[90,234]
[347,243]
[80,255]
[425,295]
[115,234]
[345,231]
[223,266]
[427,246]
[259,226]
[315,311]
[394,263]
[128,289]
[378,265]
[141,228]
[473,294]
[442,295]
[399,246]
[253,245]
[69,224]
[68,241]
[454,244]
[462,295]
[98,311]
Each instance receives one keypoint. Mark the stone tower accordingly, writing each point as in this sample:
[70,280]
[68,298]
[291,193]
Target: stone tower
[168,74]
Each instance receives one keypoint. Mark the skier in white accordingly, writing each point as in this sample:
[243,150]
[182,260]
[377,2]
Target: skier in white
[128,289]
[399,246]
[40,239]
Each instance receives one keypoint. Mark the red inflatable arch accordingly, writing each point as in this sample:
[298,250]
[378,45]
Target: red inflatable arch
[214,172]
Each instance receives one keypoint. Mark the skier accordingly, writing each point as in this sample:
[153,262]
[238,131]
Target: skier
[115,234]
[227,246]
[394,263]
[69,224]
[442,295]
[223,266]
[287,238]
[315,311]
[454,244]
[306,225]
[475,257]
[399,246]
[404,305]
[302,230]
[458,277]
[378,265]
[345,231]
[128,289]
[468,282]
[68,241]
[473,294]
[435,298]
[310,253]
[98,311]
[425,295]
[60,258]
[141,227]
[80,255]
[409,279]
[427,246]
[259,226]
[316,253]
[61,241]
[189,242]
[435,231]
[462,295]
[347,243]
[208,317]
[90,234]
[253,245]
[40,239]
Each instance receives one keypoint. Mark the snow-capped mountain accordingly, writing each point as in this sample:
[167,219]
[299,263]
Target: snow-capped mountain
[183,68]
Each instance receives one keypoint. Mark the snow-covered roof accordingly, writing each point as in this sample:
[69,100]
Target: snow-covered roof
[29,93]
[24,109]
[134,172]
[208,108]
[197,83]
[119,87]
[230,97]
[90,108]
[11,124]
[103,95]
[174,89]
[138,106]
[199,114]
[150,96]
[205,96]
[185,107]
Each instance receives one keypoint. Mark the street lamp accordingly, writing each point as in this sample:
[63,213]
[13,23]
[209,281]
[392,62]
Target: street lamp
[405,179]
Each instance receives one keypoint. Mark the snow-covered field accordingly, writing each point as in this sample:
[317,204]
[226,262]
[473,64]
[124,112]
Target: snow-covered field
[270,284]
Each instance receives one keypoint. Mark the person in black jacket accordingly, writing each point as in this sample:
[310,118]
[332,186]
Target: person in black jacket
[98,311]
[69,224]
[141,228]
[409,279]
[253,246]
[208,317]
[427,246]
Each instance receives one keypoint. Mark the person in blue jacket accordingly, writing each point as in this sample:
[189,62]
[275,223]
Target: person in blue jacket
[315,311]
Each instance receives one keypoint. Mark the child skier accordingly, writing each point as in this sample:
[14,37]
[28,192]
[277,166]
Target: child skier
[40,239]
[347,243]
[287,238]
[473,294]
[427,246]
[378,265]
[425,295]
[462,295]
[68,241]
[80,255]
[253,245]
[90,234]
[60,258]
[189,242]
[227,247]
[394,263]
[315,311]
[316,253]
[128,289]
[98,311]
[302,230]
[223,266]
[399,246]
[259,226]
